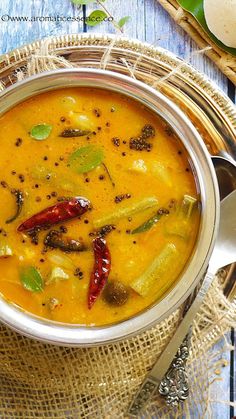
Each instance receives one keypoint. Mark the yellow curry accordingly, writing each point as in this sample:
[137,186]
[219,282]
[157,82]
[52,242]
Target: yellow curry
[99,207]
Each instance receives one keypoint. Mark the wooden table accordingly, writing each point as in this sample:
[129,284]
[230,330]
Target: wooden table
[149,22]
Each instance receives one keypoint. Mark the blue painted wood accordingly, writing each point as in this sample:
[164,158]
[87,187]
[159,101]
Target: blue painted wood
[163,31]
[14,34]
[149,22]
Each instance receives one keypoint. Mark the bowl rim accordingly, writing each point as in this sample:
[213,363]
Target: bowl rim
[67,334]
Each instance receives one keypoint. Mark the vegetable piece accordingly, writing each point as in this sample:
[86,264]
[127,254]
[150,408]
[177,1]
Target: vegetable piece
[68,103]
[143,285]
[82,121]
[67,185]
[27,253]
[42,173]
[180,225]
[61,260]
[31,279]
[85,159]
[19,204]
[146,203]
[139,166]
[40,132]
[62,211]
[59,182]
[101,270]
[188,205]
[54,240]
[162,173]
[116,293]
[57,274]
[74,132]
[5,251]
[150,222]
[53,303]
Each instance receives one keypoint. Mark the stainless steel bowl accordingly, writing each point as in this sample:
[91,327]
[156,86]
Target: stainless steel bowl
[76,335]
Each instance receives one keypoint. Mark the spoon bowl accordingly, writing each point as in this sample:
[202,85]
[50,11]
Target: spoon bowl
[226,175]
[224,251]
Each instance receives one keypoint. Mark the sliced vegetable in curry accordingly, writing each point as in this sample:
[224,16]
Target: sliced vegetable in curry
[100,214]
[136,207]
[144,283]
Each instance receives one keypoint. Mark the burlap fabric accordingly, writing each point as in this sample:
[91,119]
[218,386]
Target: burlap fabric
[224,60]
[45,381]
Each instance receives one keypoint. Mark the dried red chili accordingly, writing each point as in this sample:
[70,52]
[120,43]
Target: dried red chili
[57,213]
[101,270]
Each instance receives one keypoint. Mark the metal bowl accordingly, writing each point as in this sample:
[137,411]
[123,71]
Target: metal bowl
[77,335]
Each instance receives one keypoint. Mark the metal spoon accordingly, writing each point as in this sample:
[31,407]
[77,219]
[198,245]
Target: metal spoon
[226,174]
[174,386]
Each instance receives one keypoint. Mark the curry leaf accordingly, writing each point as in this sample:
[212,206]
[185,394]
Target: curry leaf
[31,279]
[85,159]
[197,10]
[40,132]
[147,224]
[123,21]
[82,2]
[96,17]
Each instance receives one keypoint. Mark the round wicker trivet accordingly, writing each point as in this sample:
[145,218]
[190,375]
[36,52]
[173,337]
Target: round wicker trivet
[43,381]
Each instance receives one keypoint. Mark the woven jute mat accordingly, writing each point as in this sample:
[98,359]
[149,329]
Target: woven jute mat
[224,60]
[43,381]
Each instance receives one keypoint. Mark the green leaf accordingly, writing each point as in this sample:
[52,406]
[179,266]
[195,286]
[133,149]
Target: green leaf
[85,159]
[123,21]
[96,17]
[196,9]
[40,132]
[31,279]
[81,2]
[147,224]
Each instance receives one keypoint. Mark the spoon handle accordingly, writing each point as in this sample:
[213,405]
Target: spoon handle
[174,385]
[168,363]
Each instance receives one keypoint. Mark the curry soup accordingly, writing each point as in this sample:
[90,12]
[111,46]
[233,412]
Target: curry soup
[99,208]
